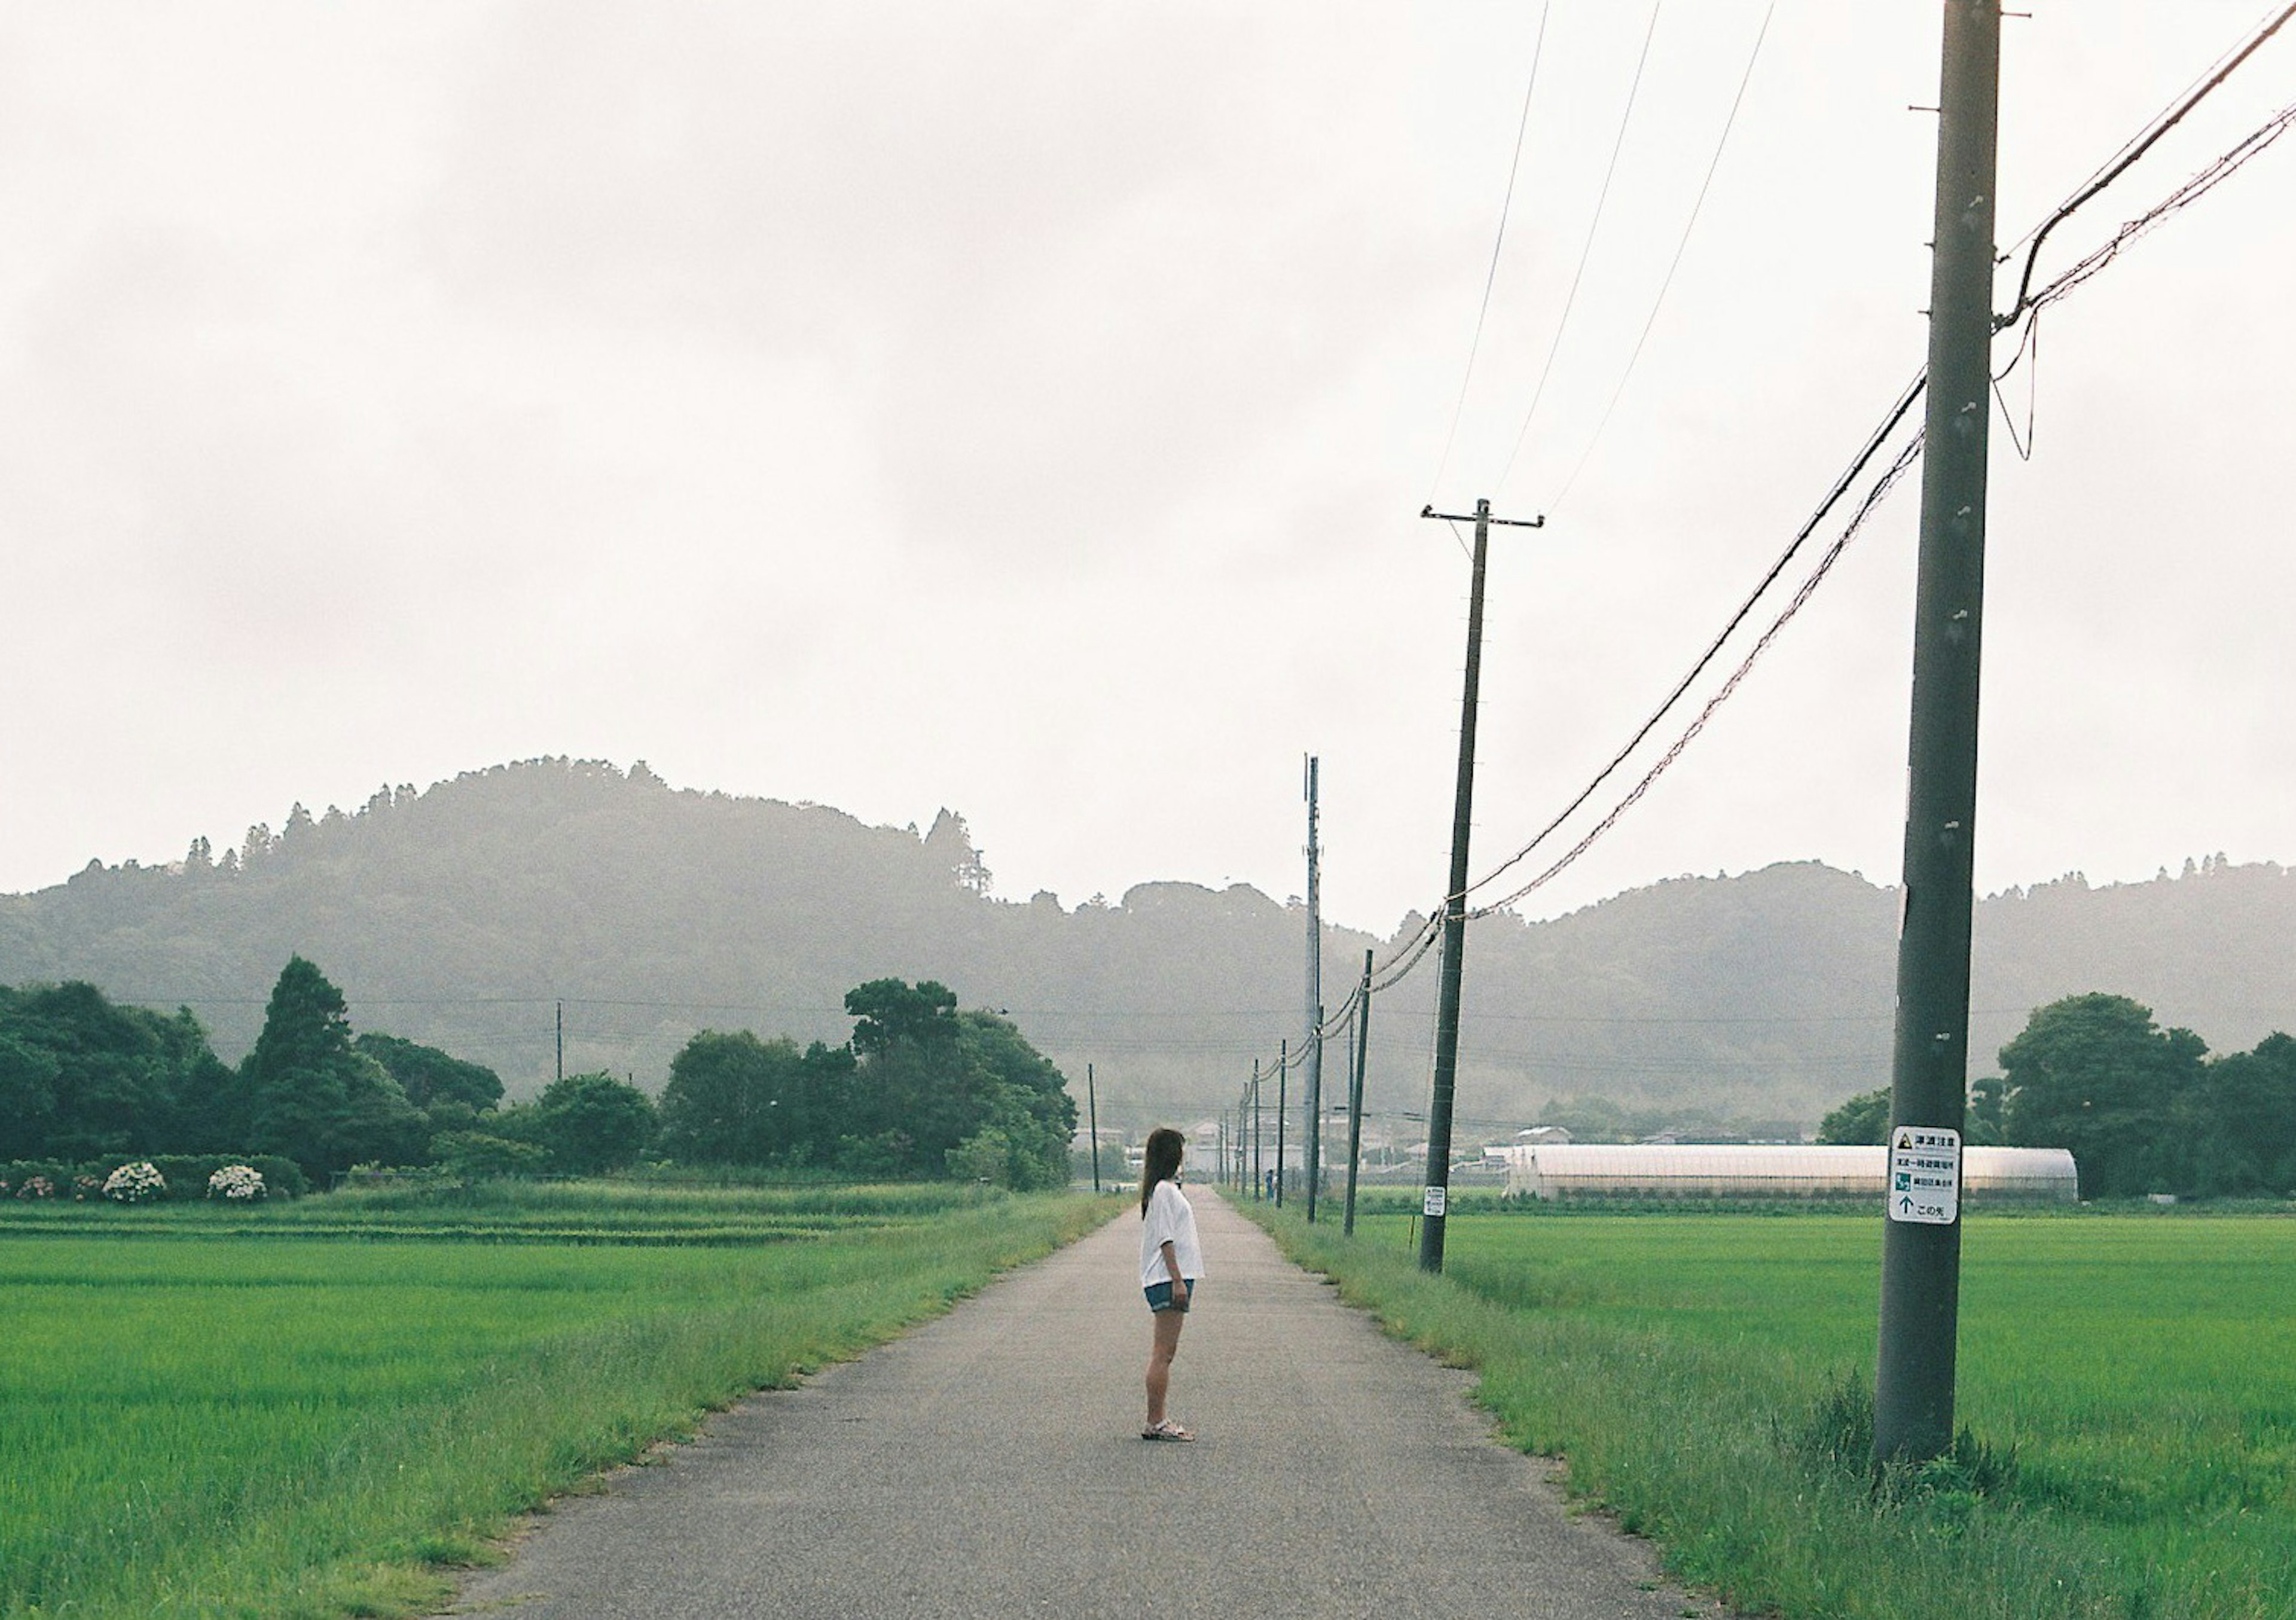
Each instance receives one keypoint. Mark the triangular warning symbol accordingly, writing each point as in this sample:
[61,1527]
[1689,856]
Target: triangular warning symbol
[1905,1141]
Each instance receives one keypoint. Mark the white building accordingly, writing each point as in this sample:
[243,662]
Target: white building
[1593,1170]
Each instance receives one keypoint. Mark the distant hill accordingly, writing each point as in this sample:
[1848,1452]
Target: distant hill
[463,915]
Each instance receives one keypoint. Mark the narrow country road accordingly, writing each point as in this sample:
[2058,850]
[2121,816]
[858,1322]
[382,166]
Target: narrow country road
[989,1464]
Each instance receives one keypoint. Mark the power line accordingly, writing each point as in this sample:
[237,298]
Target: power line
[1586,250]
[2195,187]
[1490,277]
[1873,497]
[1872,447]
[2128,155]
[1681,247]
[1409,954]
[2028,303]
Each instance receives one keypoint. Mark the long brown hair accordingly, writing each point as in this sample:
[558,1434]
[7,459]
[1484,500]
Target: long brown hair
[1160,1162]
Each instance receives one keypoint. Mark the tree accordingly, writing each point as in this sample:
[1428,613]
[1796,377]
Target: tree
[1986,1123]
[311,1095]
[735,1099]
[1031,1104]
[949,844]
[82,1076]
[475,1155]
[429,1076]
[889,1013]
[921,1090]
[27,1097]
[2240,1122]
[1864,1121]
[2094,1075]
[593,1122]
[914,1096]
[985,1156]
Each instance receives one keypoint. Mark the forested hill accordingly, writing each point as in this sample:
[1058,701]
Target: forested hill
[463,916]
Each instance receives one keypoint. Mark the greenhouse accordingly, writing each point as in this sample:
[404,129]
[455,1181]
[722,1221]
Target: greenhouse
[1590,1170]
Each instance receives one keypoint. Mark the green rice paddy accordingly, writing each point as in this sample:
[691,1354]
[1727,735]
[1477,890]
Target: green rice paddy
[247,1412]
[2139,1374]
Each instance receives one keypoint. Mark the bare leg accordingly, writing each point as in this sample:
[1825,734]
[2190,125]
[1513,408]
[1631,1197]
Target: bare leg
[1160,1351]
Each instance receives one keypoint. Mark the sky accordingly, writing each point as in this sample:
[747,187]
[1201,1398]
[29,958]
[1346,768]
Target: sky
[1026,408]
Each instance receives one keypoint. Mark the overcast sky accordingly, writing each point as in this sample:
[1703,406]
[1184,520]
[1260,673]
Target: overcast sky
[1026,408]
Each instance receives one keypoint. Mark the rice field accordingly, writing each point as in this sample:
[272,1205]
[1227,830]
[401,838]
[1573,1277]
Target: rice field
[2131,1381]
[318,1409]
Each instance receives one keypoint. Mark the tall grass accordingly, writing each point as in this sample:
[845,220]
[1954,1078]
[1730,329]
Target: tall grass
[195,1427]
[511,1211]
[2130,1385]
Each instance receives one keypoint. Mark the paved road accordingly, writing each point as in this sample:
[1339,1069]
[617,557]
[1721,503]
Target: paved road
[989,1464]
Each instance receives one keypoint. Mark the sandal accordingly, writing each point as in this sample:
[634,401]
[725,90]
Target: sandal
[1166,1430]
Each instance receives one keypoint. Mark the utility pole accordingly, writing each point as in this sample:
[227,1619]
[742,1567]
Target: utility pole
[1315,1134]
[1454,903]
[1258,1180]
[1356,1091]
[1283,1076]
[1920,1248]
[1092,1101]
[562,1041]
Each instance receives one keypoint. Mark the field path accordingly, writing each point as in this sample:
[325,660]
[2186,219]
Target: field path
[989,1464]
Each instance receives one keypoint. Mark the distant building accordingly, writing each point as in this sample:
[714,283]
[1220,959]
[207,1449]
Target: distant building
[1590,1170]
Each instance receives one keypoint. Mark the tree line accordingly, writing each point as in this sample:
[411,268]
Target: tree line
[2141,1108]
[921,1089]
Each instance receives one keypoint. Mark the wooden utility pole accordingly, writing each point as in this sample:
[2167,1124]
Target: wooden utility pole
[562,1041]
[1920,1249]
[1356,1091]
[1258,1180]
[1092,1102]
[1283,1076]
[1455,904]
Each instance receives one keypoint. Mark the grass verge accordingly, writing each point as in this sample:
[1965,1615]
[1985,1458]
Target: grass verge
[195,1426]
[2128,1384]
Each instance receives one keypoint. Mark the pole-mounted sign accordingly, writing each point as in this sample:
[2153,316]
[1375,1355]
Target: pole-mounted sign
[1924,1175]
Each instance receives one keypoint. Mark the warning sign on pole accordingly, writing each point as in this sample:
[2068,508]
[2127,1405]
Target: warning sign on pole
[1433,1204]
[1924,1175]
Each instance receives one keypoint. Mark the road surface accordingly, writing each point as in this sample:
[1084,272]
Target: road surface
[989,1463]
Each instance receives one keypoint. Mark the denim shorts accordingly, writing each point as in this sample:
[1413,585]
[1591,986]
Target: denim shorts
[1159,1296]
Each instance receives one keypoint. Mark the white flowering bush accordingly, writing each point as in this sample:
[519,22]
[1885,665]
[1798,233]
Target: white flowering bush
[135,1183]
[238,1183]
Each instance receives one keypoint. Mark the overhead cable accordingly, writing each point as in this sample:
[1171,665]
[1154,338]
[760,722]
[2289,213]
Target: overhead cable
[1585,251]
[2194,188]
[1680,247]
[2128,155]
[1873,497]
[1490,277]
[1874,442]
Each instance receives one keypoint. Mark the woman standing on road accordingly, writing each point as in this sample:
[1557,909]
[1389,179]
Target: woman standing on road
[1171,1267]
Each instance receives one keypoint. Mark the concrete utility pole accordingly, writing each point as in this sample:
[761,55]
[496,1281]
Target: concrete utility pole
[1921,1248]
[1315,1136]
[1455,904]
[1356,1091]
[1283,1076]
[1092,1101]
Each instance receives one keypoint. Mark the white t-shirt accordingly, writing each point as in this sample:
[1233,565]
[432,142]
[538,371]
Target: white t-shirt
[1170,1220]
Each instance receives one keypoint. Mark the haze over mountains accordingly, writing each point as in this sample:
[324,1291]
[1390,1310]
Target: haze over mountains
[465,915]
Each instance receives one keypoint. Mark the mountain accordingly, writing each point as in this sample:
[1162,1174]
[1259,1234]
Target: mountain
[465,916]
